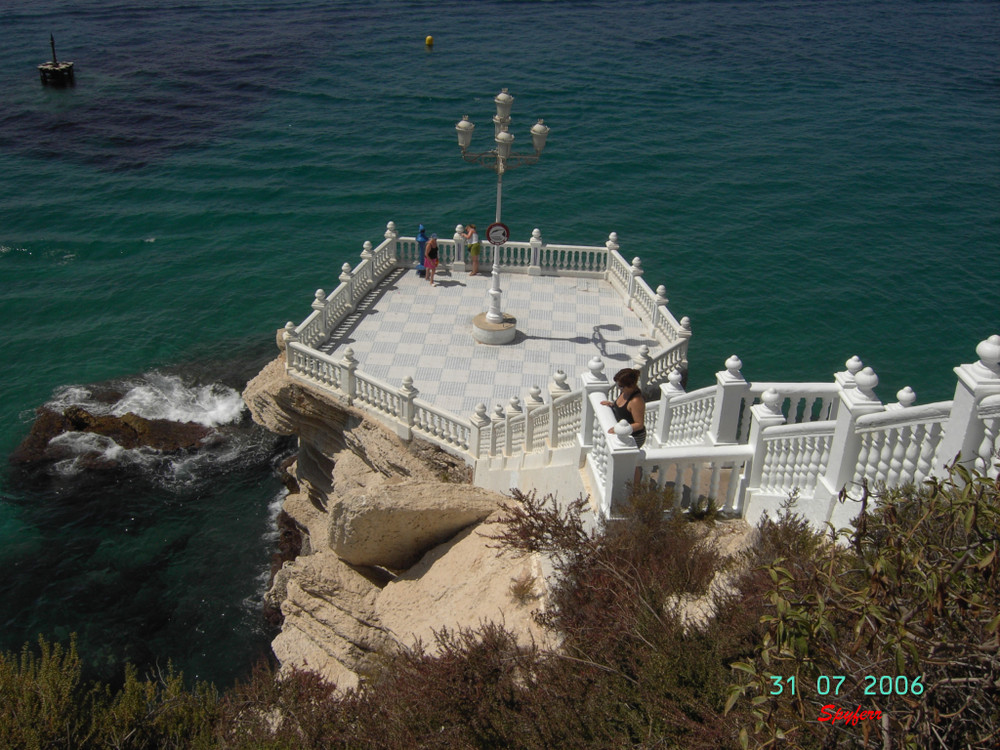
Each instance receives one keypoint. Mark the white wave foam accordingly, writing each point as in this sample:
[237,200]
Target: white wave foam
[166,397]
[159,396]
[82,444]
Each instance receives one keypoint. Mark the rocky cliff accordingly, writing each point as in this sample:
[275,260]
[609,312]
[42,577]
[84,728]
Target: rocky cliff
[393,546]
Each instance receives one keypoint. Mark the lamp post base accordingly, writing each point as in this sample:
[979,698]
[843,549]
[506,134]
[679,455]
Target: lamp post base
[486,332]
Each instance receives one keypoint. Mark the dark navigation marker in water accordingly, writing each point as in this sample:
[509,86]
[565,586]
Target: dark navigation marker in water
[55,73]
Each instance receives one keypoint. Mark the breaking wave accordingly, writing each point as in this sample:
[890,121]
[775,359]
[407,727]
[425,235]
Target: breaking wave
[235,442]
[157,396]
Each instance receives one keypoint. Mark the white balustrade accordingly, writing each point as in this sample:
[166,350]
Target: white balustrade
[810,437]
[899,446]
[988,452]
[429,421]
[377,396]
[690,417]
[695,472]
[794,456]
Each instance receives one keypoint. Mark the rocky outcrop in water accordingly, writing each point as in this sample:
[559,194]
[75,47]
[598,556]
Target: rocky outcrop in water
[394,544]
[128,431]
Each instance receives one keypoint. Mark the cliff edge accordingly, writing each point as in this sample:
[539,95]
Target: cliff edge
[393,546]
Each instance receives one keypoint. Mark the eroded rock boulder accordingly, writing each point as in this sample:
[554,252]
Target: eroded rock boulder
[393,525]
[329,625]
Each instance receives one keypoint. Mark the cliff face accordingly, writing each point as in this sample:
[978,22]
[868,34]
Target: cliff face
[393,546]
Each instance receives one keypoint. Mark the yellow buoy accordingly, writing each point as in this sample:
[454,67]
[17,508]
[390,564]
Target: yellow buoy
[429,41]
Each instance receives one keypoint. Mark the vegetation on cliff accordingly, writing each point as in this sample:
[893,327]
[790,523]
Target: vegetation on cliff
[913,597]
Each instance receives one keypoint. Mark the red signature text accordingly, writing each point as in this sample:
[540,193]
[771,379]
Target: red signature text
[833,714]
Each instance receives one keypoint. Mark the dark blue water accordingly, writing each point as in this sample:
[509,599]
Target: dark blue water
[809,181]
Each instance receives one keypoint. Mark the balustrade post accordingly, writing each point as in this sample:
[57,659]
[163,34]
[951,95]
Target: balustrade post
[660,301]
[633,280]
[393,236]
[594,381]
[319,301]
[498,418]
[557,388]
[668,391]
[531,403]
[513,410]
[479,422]
[366,251]
[854,402]
[285,335]
[730,390]
[685,335]
[763,415]
[623,457]
[964,431]
[535,266]
[641,361]
[406,411]
[348,382]
[905,398]
[458,264]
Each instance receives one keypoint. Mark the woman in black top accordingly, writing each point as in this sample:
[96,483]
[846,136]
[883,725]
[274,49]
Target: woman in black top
[630,405]
[431,258]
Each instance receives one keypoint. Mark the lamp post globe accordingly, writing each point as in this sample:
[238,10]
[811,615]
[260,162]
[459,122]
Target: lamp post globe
[539,132]
[464,128]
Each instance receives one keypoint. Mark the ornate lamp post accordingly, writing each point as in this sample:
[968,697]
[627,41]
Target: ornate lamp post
[495,327]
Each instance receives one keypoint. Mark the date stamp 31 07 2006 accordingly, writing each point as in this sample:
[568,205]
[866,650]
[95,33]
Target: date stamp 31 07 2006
[882,685]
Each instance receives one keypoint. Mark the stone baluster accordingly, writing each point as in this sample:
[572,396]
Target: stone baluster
[633,281]
[668,391]
[348,381]
[763,415]
[366,251]
[535,266]
[730,390]
[964,431]
[407,393]
[594,381]
[660,301]
[856,400]
[479,422]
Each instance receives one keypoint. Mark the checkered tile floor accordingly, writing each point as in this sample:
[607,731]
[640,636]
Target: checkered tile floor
[413,328]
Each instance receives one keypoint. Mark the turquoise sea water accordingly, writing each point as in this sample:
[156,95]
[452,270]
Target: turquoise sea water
[809,180]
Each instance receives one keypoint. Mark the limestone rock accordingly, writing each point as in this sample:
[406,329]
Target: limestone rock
[394,525]
[330,625]
[461,584]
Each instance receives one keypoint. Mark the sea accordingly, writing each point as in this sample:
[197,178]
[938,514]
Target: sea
[808,180]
